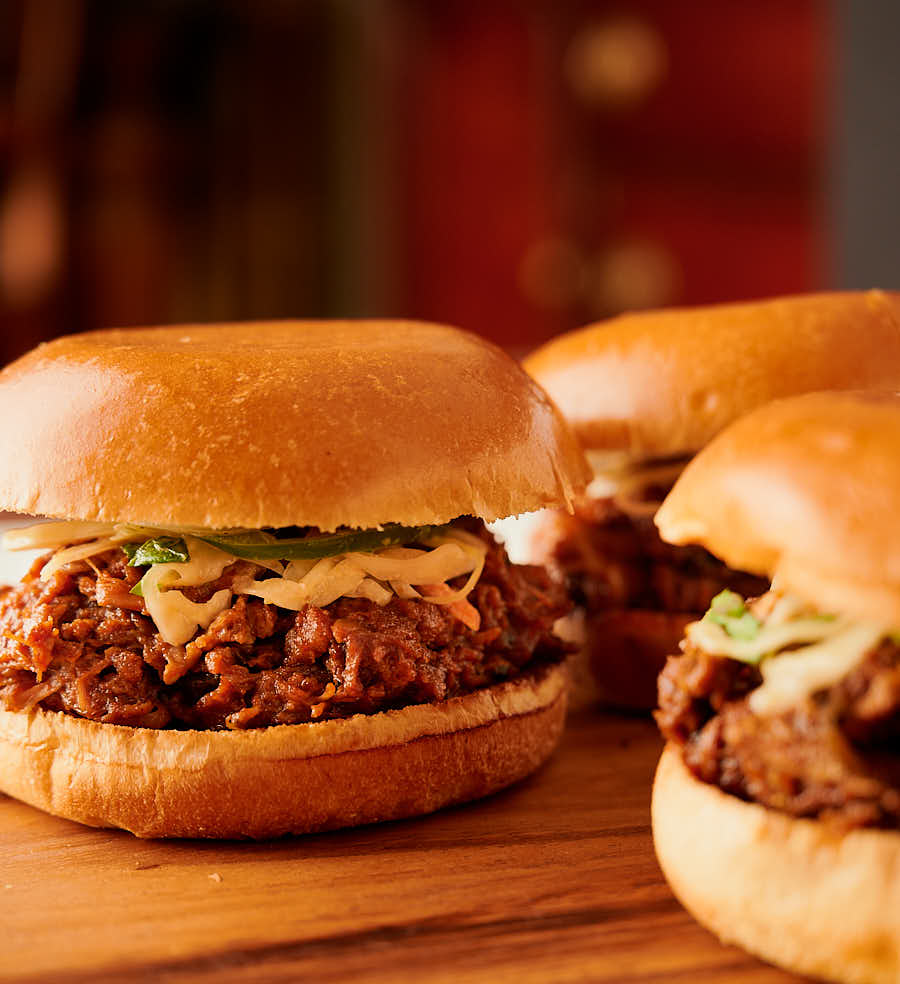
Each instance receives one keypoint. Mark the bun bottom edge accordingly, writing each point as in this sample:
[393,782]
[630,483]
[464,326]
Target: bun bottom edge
[621,653]
[289,779]
[795,892]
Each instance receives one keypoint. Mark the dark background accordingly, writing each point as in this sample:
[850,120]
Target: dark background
[512,166]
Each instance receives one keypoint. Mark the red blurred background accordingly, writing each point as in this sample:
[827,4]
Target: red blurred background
[517,168]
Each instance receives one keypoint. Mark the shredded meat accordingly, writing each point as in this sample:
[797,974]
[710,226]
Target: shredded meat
[637,593]
[834,757]
[81,643]
[611,561]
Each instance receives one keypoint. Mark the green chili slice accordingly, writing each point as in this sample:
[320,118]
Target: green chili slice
[257,545]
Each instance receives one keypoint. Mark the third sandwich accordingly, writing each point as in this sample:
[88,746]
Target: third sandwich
[644,393]
[776,808]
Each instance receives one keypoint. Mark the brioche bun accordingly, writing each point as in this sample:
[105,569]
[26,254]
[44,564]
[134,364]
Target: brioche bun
[288,779]
[805,490]
[314,423]
[794,892]
[663,383]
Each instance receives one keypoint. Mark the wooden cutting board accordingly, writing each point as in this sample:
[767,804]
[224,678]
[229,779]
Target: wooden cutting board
[554,880]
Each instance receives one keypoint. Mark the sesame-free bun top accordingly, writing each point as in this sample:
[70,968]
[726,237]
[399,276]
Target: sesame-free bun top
[664,383]
[806,490]
[319,423]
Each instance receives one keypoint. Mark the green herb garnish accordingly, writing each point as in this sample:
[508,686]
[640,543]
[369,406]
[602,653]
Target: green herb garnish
[160,550]
[729,611]
[258,545]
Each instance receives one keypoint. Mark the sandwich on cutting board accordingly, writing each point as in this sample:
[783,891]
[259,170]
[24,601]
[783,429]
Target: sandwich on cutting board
[268,602]
[776,806]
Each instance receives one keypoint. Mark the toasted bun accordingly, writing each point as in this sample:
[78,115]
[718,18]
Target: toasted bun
[620,655]
[794,892]
[663,383]
[286,779]
[807,491]
[279,423]
[627,649]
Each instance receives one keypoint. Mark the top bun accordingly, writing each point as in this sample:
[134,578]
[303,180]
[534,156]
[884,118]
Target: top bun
[806,490]
[318,423]
[664,383]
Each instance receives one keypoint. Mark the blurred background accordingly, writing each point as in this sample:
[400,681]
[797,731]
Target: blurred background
[517,167]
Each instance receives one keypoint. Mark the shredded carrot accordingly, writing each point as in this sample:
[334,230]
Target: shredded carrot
[318,709]
[466,612]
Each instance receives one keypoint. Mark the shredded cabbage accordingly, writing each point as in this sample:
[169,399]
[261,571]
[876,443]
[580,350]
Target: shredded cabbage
[175,616]
[769,639]
[796,674]
[79,552]
[798,650]
[442,563]
[43,536]
[377,575]
[370,588]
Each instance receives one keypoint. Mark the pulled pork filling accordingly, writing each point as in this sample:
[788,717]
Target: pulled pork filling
[80,642]
[637,593]
[615,566]
[611,560]
[823,746]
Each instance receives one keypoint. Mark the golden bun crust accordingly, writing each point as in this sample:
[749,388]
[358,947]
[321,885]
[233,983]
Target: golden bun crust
[793,892]
[661,383]
[289,779]
[320,423]
[806,490]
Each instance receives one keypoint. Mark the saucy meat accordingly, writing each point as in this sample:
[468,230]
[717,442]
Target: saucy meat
[611,560]
[81,643]
[835,757]
[637,592]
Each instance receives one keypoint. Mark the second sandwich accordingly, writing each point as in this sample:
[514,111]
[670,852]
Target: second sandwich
[644,393]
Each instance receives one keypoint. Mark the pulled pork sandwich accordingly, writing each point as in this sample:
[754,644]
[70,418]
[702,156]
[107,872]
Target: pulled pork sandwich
[268,602]
[646,391]
[776,806]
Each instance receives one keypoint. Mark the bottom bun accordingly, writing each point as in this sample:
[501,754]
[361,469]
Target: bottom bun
[285,779]
[795,892]
[621,654]
[582,687]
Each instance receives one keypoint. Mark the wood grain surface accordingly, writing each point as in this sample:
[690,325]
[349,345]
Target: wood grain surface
[553,880]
